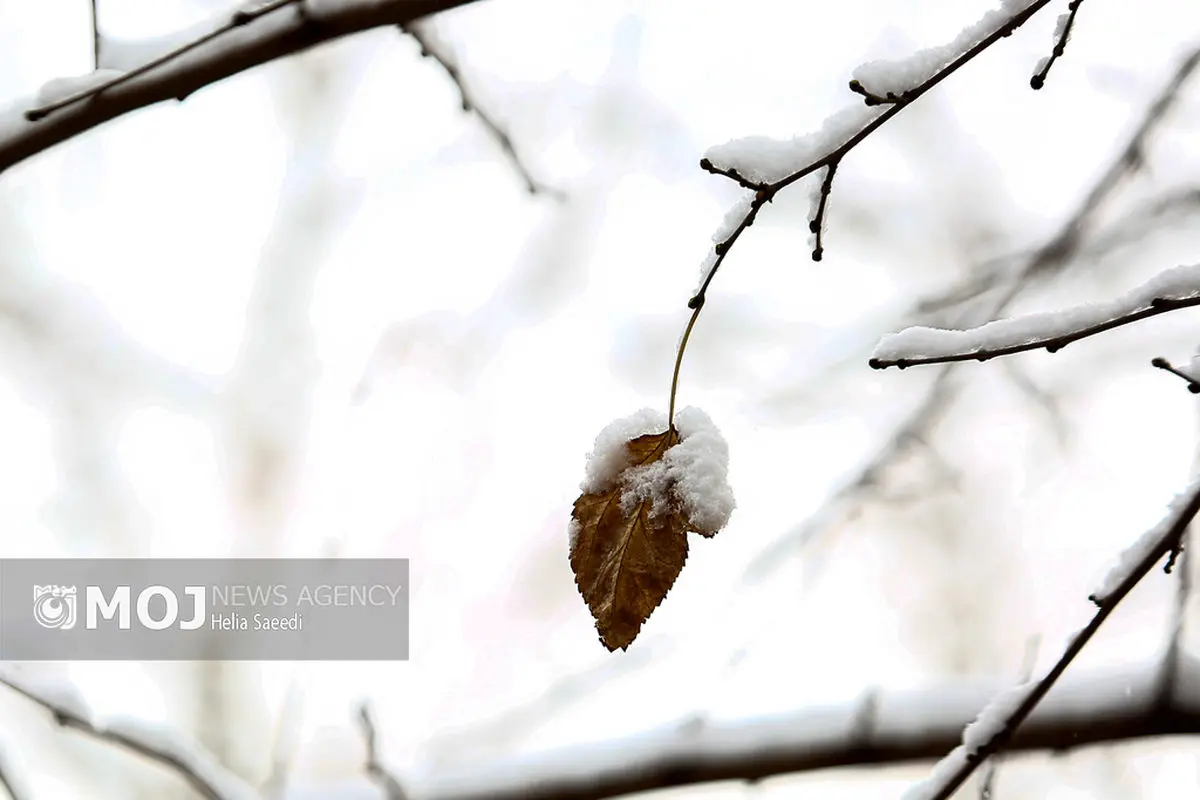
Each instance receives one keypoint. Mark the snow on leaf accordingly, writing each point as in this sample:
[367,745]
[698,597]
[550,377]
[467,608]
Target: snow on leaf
[641,496]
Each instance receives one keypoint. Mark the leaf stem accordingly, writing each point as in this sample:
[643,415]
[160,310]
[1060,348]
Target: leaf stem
[687,332]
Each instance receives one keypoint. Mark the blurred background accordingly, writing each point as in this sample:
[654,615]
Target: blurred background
[313,310]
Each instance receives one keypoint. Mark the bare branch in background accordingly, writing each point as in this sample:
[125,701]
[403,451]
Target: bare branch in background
[388,783]
[160,745]
[199,57]
[882,727]
[425,35]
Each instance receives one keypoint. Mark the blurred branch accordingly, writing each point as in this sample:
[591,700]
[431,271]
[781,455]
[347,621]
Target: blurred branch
[159,745]
[392,790]
[914,430]
[890,728]
[425,35]
[199,57]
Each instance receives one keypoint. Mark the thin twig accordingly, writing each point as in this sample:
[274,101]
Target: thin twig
[388,783]
[1039,77]
[423,34]
[1166,366]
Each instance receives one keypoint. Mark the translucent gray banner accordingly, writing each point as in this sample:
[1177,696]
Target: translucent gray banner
[204,609]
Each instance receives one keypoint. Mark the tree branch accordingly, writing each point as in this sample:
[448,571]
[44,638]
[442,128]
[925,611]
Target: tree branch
[883,728]
[162,746]
[235,42]
[1168,291]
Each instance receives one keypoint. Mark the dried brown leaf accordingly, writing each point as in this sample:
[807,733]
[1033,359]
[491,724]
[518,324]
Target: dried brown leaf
[625,561]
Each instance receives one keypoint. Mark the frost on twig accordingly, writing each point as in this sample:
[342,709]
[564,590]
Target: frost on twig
[1171,289]
[156,743]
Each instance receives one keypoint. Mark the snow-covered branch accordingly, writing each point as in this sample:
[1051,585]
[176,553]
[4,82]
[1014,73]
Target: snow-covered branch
[1171,289]
[767,166]
[176,66]
[882,728]
[156,743]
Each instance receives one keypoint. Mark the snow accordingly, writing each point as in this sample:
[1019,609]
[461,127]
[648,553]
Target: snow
[609,457]
[62,88]
[733,218]
[995,715]
[1184,506]
[695,471]
[986,726]
[761,159]
[1033,330]
[900,75]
